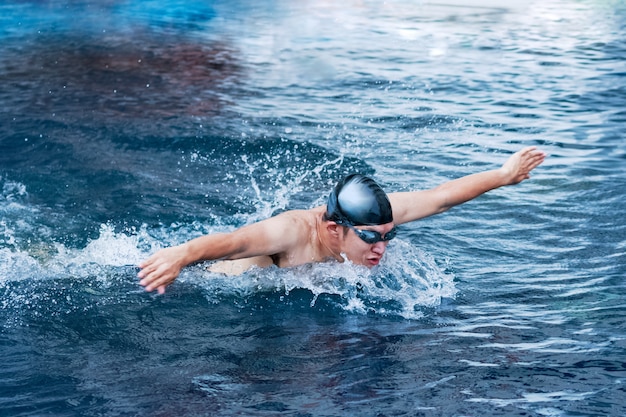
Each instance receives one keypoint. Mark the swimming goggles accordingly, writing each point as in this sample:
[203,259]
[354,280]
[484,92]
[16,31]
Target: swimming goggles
[372,236]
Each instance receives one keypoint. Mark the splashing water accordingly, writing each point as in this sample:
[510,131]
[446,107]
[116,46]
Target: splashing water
[128,126]
[407,279]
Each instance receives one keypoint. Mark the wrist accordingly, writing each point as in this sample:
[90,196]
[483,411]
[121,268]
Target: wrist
[504,176]
[186,254]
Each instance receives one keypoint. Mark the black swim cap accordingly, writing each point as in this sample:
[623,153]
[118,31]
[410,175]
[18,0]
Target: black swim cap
[359,201]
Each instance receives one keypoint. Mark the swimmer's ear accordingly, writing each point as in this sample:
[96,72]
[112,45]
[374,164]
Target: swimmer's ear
[334,229]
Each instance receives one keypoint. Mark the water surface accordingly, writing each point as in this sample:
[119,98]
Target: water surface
[127,126]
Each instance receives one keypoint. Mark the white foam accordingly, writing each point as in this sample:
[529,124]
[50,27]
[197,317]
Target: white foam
[406,280]
[111,248]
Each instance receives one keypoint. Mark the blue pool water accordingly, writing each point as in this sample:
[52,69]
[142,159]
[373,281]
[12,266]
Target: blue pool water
[127,126]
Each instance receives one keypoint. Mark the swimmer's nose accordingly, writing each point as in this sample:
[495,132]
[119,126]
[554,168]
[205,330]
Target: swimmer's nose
[379,248]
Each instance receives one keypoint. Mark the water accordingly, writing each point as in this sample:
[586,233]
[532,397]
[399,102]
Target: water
[130,126]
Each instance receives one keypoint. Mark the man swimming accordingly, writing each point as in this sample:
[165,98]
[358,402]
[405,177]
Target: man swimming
[357,223]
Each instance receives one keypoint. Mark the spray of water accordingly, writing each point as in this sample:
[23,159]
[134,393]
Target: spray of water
[406,281]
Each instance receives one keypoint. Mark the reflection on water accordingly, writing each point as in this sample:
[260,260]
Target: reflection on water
[135,75]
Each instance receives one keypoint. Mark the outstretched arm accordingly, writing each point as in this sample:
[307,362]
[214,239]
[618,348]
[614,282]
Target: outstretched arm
[410,206]
[267,237]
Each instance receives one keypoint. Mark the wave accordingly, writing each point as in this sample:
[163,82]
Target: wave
[33,263]
[407,281]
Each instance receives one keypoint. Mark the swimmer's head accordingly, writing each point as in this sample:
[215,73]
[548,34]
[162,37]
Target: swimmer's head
[359,201]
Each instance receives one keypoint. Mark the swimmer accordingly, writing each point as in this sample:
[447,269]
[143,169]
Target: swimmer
[357,223]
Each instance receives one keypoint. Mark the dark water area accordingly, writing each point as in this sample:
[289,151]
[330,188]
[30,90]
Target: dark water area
[127,126]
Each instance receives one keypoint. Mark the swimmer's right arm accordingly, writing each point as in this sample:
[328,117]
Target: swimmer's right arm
[263,238]
[162,268]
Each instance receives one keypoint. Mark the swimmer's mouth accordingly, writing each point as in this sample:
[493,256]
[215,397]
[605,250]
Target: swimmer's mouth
[373,261]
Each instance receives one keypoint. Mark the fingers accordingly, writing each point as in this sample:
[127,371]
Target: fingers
[527,149]
[147,267]
[535,159]
[520,164]
[157,279]
[531,152]
[531,157]
[149,287]
[155,275]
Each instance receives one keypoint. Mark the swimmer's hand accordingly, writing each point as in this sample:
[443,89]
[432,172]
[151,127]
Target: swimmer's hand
[517,168]
[162,268]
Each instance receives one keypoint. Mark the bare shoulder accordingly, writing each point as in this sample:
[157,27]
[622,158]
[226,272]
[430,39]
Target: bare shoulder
[299,236]
[292,222]
[301,219]
[284,236]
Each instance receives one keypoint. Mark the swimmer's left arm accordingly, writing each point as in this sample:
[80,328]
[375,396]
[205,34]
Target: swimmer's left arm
[410,206]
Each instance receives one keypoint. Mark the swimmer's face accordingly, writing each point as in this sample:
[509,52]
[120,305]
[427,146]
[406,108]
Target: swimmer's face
[362,253]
